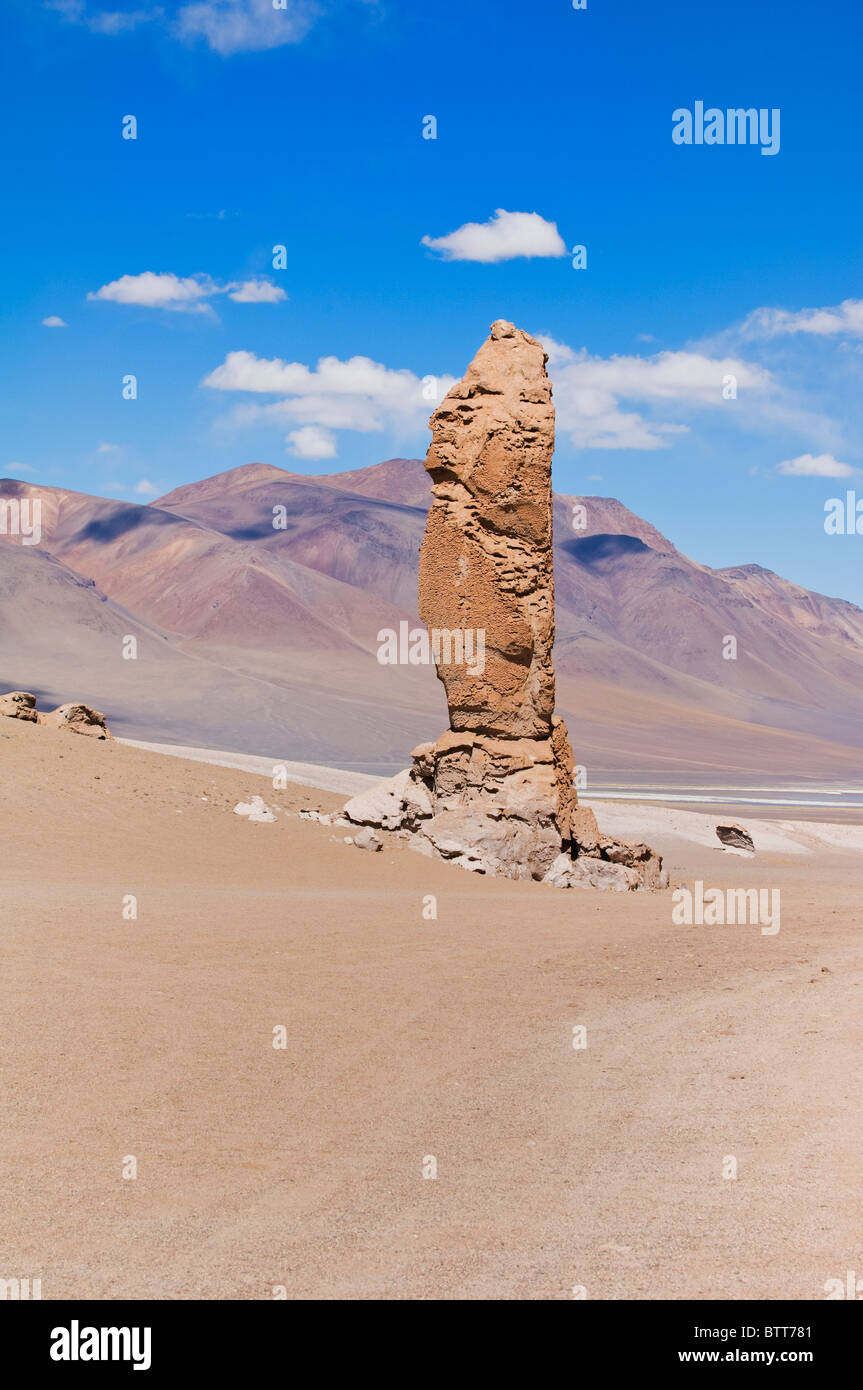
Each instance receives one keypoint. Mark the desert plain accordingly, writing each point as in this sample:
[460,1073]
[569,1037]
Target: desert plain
[562,1171]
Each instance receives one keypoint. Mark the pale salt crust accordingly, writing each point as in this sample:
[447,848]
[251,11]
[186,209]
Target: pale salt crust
[630,820]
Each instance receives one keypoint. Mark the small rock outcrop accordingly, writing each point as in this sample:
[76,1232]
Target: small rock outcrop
[75,717]
[255,810]
[367,839]
[495,792]
[78,719]
[734,836]
[19,704]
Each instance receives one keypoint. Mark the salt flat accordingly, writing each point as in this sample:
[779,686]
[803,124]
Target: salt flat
[630,819]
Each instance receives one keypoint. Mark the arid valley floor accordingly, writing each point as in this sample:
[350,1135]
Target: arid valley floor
[302,1168]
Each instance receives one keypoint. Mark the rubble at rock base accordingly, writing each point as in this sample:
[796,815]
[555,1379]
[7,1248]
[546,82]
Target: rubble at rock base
[499,824]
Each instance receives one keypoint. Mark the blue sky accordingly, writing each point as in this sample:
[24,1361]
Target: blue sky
[303,127]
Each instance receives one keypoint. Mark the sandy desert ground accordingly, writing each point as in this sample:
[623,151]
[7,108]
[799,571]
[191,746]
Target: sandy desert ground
[302,1168]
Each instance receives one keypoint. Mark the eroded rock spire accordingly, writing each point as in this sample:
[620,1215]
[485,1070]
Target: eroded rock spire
[495,792]
[486,560]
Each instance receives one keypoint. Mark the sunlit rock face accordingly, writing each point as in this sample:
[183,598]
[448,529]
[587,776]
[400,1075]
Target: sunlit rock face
[495,792]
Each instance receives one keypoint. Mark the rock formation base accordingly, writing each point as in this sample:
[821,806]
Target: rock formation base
[504,807]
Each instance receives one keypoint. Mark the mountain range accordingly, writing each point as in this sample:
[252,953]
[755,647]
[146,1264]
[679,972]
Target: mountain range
[256,596]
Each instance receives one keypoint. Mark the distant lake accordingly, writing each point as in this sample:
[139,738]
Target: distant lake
[829,797]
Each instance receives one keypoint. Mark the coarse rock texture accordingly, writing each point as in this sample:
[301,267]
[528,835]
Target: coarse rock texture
[76,718]
[367,839]
[19,704]
[735,836]
[508,803]
[500,823]
[495,792]
[486,560]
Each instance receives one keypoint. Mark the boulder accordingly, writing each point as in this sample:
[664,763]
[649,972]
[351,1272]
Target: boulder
[382,805]
[590,872]
[367,839]
[255,810]
[19,704]
[585,831]
[492,844]
[734,836]
[77,719]
[629,852]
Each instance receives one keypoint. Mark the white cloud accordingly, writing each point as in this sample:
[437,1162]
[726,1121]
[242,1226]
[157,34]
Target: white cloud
[103,21]
[119,21]
[504,237]
[157,291]
[627,402]
[236,26]
[162,290]
[589,392]
[53,321]
[21,468]
[312,442]
[357,394]
[845,319]
[256,292]
[145,488]
[227,26]
[816,466]
[107,448]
